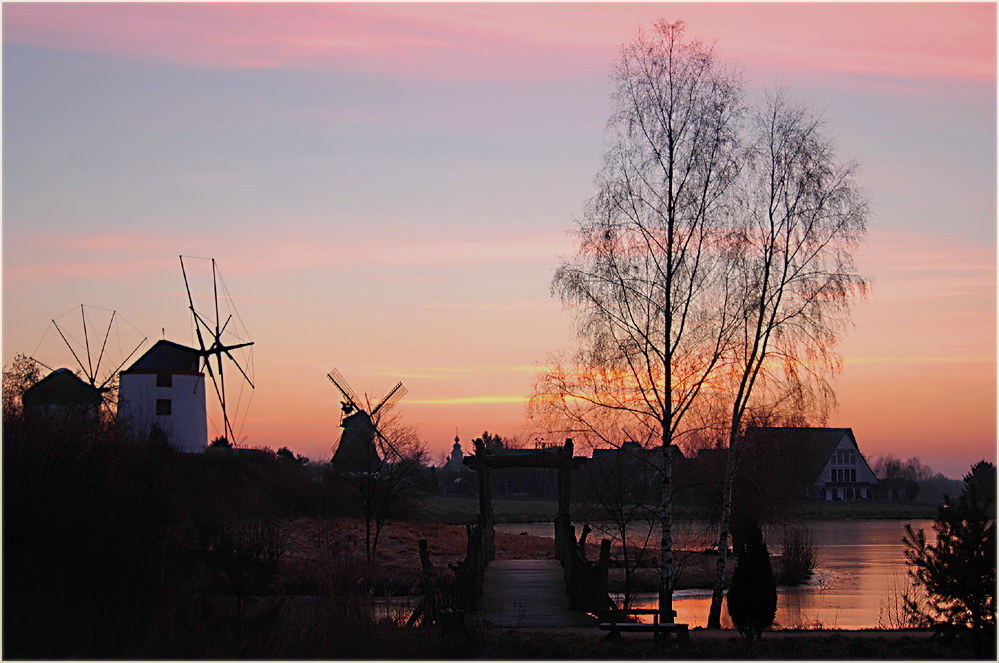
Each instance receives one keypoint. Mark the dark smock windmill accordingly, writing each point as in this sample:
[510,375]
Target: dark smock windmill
[356,451]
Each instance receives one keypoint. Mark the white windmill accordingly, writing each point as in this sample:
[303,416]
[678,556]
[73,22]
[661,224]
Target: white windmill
[166,386]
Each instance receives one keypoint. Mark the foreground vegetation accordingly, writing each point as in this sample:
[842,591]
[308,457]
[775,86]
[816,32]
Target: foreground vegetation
[117,547]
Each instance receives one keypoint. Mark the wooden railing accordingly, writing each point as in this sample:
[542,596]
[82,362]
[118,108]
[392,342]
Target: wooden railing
[448,595]
[585,580]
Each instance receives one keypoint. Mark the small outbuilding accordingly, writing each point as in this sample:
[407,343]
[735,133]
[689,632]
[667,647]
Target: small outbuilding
[62,394]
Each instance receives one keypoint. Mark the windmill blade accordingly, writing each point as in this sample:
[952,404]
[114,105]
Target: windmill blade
[91,374]
[245,376]
[344,388]
[104,345]
[190,303]
[220,390]
[390,399]
[70,346]
[114,373]
[43,365]
[386,440]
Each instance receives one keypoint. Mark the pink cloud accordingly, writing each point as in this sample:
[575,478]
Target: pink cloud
[452,253]
[472,40]
[112,255]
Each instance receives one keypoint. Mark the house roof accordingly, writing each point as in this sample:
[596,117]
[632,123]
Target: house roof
[63,387]
[167,357]
[803,451]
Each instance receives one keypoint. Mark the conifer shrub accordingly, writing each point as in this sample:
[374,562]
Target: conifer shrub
[752,597]
[958,571]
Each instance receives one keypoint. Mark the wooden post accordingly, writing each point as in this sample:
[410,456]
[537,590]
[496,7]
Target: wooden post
[425,557]
[582,540]
[564,487]
[602,568]
[485,503]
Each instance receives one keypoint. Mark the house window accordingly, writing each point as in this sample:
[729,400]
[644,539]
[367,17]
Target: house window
[845,457]
[853,476]
[164,379]
[163,406]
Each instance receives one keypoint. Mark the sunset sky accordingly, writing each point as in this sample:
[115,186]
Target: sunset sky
[388,189]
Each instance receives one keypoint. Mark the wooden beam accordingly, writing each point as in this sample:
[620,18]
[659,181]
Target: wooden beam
[541,459]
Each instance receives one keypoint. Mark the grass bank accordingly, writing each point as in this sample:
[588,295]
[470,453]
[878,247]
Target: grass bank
[719,645]
[865,511]
[464,510]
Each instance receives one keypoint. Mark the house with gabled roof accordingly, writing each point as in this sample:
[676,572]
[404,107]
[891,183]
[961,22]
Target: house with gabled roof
[823,464]
[164,389]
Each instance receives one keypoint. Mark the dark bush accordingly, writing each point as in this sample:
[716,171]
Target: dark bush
[798,555]
[85,516]
[112,543]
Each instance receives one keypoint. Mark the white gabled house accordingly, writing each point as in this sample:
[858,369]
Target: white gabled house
[165,388]
[824,463]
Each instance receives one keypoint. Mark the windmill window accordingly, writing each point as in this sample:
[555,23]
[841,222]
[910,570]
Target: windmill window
[164,379]
[163,406]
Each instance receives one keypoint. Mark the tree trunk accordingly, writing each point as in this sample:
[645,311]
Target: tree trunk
[717,593]
[666,554]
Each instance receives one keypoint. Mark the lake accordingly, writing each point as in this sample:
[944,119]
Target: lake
[859,574]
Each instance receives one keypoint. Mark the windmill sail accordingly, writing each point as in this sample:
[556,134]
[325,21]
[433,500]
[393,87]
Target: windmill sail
[217,339]
[97,368]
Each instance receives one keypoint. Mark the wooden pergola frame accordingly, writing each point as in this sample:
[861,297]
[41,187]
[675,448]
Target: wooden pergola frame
[560,459]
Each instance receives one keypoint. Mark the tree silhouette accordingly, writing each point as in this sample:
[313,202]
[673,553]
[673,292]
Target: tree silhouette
[649,273]
[220,442]
[20,376]
[800,213]
[958,572]
[752,598]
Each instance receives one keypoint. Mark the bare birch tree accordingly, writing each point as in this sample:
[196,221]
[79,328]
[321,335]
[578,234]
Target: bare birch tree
[802,215]
[649,272]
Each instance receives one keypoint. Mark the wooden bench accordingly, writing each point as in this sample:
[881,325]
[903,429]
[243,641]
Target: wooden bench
[658,630]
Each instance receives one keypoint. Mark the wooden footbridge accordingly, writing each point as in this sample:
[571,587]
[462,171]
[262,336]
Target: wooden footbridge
[570,591]
[520,593]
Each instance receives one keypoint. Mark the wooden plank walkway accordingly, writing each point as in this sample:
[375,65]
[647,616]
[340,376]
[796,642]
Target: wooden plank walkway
[527,593]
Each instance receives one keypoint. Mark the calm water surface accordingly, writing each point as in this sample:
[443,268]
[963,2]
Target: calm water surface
[859,574]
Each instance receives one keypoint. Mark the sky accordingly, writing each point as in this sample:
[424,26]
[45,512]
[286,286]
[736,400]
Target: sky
[387,190]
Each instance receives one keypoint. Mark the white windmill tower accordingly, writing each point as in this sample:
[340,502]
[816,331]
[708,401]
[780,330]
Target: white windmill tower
[166,386]
[356,451]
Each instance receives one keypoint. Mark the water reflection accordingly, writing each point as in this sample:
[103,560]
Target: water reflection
[859,575]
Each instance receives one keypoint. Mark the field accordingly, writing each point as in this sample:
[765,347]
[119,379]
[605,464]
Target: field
[396,570]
